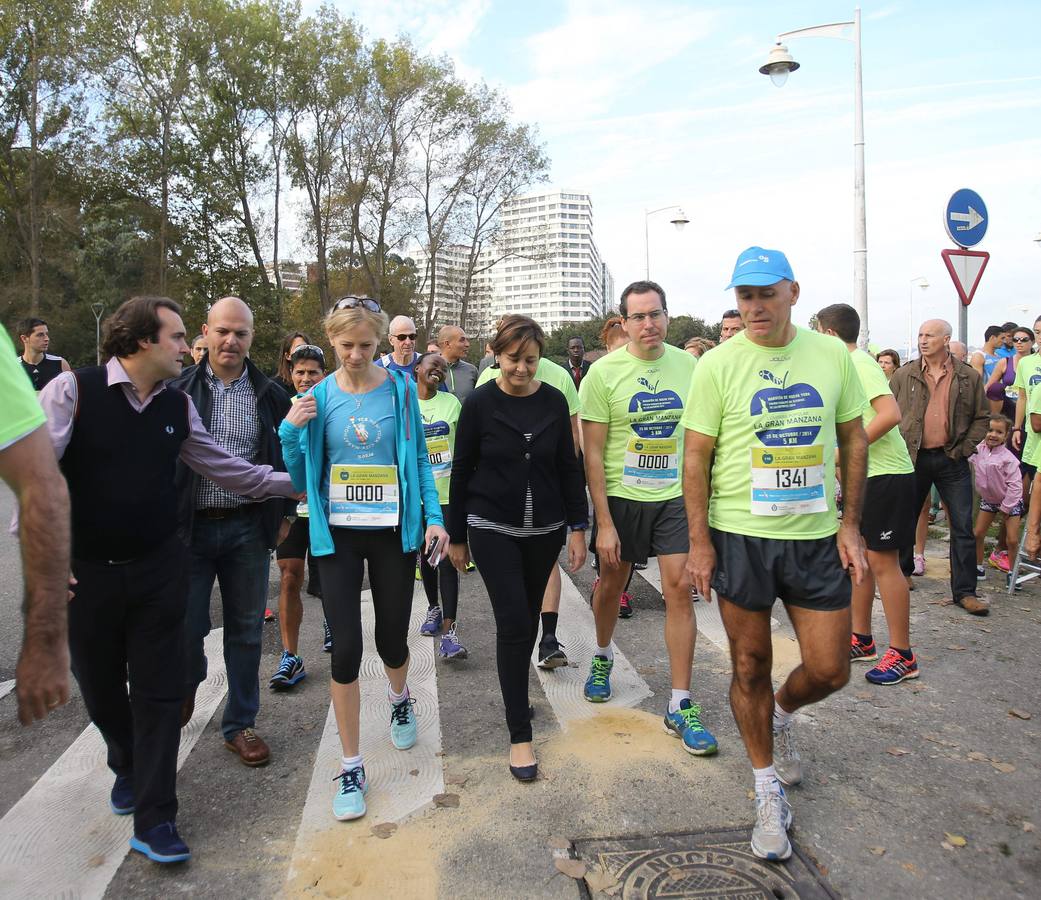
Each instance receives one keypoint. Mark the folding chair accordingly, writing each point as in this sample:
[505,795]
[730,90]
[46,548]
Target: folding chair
[1033,568]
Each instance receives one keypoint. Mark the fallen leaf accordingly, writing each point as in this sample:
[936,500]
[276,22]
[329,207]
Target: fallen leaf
[384,830]
[556,842]
[946,846]
[676,874]
[751,795]
[413,772]
[978,757]
[864,695]
[446,800]
[599,880]
[955,647]
[1019,713]
[647,670]
[1028,827]
[573,868]
[1004,767]
[897,751]
[877,851]
[96,861]
[457,780]
[910,867]
[955,840]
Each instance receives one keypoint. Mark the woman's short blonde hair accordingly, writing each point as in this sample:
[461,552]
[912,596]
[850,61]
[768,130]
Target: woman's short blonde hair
[337,321]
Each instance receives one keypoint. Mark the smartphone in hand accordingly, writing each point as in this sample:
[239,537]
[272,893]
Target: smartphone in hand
[434,552]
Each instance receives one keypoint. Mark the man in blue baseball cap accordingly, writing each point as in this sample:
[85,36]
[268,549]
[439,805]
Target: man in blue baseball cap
[764,413]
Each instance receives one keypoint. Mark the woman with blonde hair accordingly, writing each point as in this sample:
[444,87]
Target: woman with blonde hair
[355,444]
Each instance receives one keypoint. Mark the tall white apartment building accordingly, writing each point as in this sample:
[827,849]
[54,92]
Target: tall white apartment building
[545,264]
[293,275]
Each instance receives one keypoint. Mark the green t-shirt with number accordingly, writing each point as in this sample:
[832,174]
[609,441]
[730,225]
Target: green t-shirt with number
[21,410]
[888,455]
[773,412]
[1032,448]
[440,416]
[641,402]
[1028,376]
[548,372]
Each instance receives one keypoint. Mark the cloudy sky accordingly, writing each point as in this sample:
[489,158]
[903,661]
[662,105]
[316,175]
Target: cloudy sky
[646,104]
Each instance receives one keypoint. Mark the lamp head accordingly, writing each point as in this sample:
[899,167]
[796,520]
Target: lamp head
[680,220]
[779,64]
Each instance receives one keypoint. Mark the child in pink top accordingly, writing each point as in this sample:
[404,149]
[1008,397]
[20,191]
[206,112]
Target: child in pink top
[999,483]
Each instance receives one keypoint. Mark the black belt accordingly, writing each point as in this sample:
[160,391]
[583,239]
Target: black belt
[224,512]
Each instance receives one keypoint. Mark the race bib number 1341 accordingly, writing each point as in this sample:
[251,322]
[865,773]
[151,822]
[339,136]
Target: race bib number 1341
[788,481]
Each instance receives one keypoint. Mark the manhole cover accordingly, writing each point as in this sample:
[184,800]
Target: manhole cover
[701,865]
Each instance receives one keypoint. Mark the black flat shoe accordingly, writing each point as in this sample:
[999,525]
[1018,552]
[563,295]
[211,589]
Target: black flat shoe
[525,773]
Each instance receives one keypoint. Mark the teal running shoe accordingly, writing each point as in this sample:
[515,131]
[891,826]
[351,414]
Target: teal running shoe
[598,684]
[685,723]
[349,799]
[403,724]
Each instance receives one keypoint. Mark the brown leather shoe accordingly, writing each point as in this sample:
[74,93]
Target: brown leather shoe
[974,605]
[188,706]
[250,747]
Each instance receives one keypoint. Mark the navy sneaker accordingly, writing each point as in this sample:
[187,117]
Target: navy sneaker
[122,797]
[450,648]
[432,624]
[290,671]
[598,684]
[161,844]
[327,642]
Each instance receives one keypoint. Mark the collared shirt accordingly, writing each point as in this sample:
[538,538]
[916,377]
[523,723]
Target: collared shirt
[235,426]
[935,428]
[199,451]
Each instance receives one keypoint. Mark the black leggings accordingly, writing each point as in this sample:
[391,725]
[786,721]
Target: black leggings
[515,573]
[390,577]
[449,579]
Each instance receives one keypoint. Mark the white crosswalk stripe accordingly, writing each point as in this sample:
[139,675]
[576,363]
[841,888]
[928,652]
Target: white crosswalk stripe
[5,688]
[61,839]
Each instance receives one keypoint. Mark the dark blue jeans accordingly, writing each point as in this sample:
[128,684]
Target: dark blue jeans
[233,551]
[953,481]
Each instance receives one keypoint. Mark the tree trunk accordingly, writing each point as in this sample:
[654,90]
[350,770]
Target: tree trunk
[164,175]
[276,152]
[34,199]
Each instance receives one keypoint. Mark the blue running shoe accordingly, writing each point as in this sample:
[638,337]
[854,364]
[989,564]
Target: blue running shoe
[893,669]
[290,671]
[349,799]
[598,684]
[403,723]
[685,723]
[450,648]
[432,625]
[121,800]
[161,844]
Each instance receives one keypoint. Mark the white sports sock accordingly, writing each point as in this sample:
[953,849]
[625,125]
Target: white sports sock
[397,698]
[606,652]
[677,696]
[766,779]
[781,716]
[350,762]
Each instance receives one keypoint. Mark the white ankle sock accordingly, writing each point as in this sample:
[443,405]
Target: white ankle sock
[350,762]
[397,698]
[606,652]
[677,696]
[781,716]
[766,779]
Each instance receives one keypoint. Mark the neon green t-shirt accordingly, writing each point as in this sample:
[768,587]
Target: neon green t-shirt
[550,373]
[1028,376]
[22,412]
[440,417]
[773,412]
[641,402]
[888,455]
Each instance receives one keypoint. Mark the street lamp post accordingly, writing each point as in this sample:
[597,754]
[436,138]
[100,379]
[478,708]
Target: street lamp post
[921,282]
[778,66]
[97,309]
[679,220]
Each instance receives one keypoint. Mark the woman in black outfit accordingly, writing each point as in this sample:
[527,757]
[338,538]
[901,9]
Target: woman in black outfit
[516,487]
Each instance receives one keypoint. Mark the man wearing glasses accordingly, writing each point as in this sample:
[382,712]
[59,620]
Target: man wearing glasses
[403,356]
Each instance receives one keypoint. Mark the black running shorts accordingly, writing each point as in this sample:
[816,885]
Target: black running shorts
[752,572]
[889,518]
[648,528]
[297,541]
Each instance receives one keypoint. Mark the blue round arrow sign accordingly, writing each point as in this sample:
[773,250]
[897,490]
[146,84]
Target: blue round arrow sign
[966,218]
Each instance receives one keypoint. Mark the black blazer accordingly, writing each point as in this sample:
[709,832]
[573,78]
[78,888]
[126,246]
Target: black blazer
[493,464]
[584,369]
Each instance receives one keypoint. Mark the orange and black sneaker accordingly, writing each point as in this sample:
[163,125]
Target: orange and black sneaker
[893,669]
[862,652]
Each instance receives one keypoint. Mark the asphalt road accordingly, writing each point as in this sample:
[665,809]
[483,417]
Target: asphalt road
[893,774]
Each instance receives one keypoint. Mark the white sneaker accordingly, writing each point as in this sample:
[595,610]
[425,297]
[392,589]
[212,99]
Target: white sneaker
[787,761]
[773,818]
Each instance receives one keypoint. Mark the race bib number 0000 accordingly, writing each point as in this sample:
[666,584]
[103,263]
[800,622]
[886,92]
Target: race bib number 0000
[363,496]
[651,463]
[788,481]
[440,456]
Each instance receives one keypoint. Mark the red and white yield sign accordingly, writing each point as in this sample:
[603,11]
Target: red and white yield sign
[966,268]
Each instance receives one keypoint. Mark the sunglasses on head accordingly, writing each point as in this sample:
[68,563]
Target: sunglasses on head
[351,302]
[405,337]
[311,347]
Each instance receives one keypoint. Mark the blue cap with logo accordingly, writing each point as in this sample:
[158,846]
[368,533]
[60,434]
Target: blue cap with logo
[758,267]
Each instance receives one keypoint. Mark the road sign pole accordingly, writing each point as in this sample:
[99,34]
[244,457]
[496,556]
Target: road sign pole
[963,324]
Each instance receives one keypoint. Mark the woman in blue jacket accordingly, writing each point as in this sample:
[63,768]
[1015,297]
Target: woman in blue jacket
[356,443]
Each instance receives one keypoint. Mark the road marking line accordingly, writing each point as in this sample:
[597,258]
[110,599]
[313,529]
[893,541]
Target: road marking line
[5,688]
[393,794]
[61,838]
[563,687]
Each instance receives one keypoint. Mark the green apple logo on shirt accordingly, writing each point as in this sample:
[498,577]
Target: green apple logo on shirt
[777,422]
[649,405]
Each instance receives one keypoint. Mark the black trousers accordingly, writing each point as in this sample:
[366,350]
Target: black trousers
[515,572]
[448,576]
[127,621]
[391,579]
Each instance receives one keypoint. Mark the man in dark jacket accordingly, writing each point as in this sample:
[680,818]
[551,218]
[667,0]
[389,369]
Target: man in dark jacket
[944,415]
[576,359]
[230,536]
